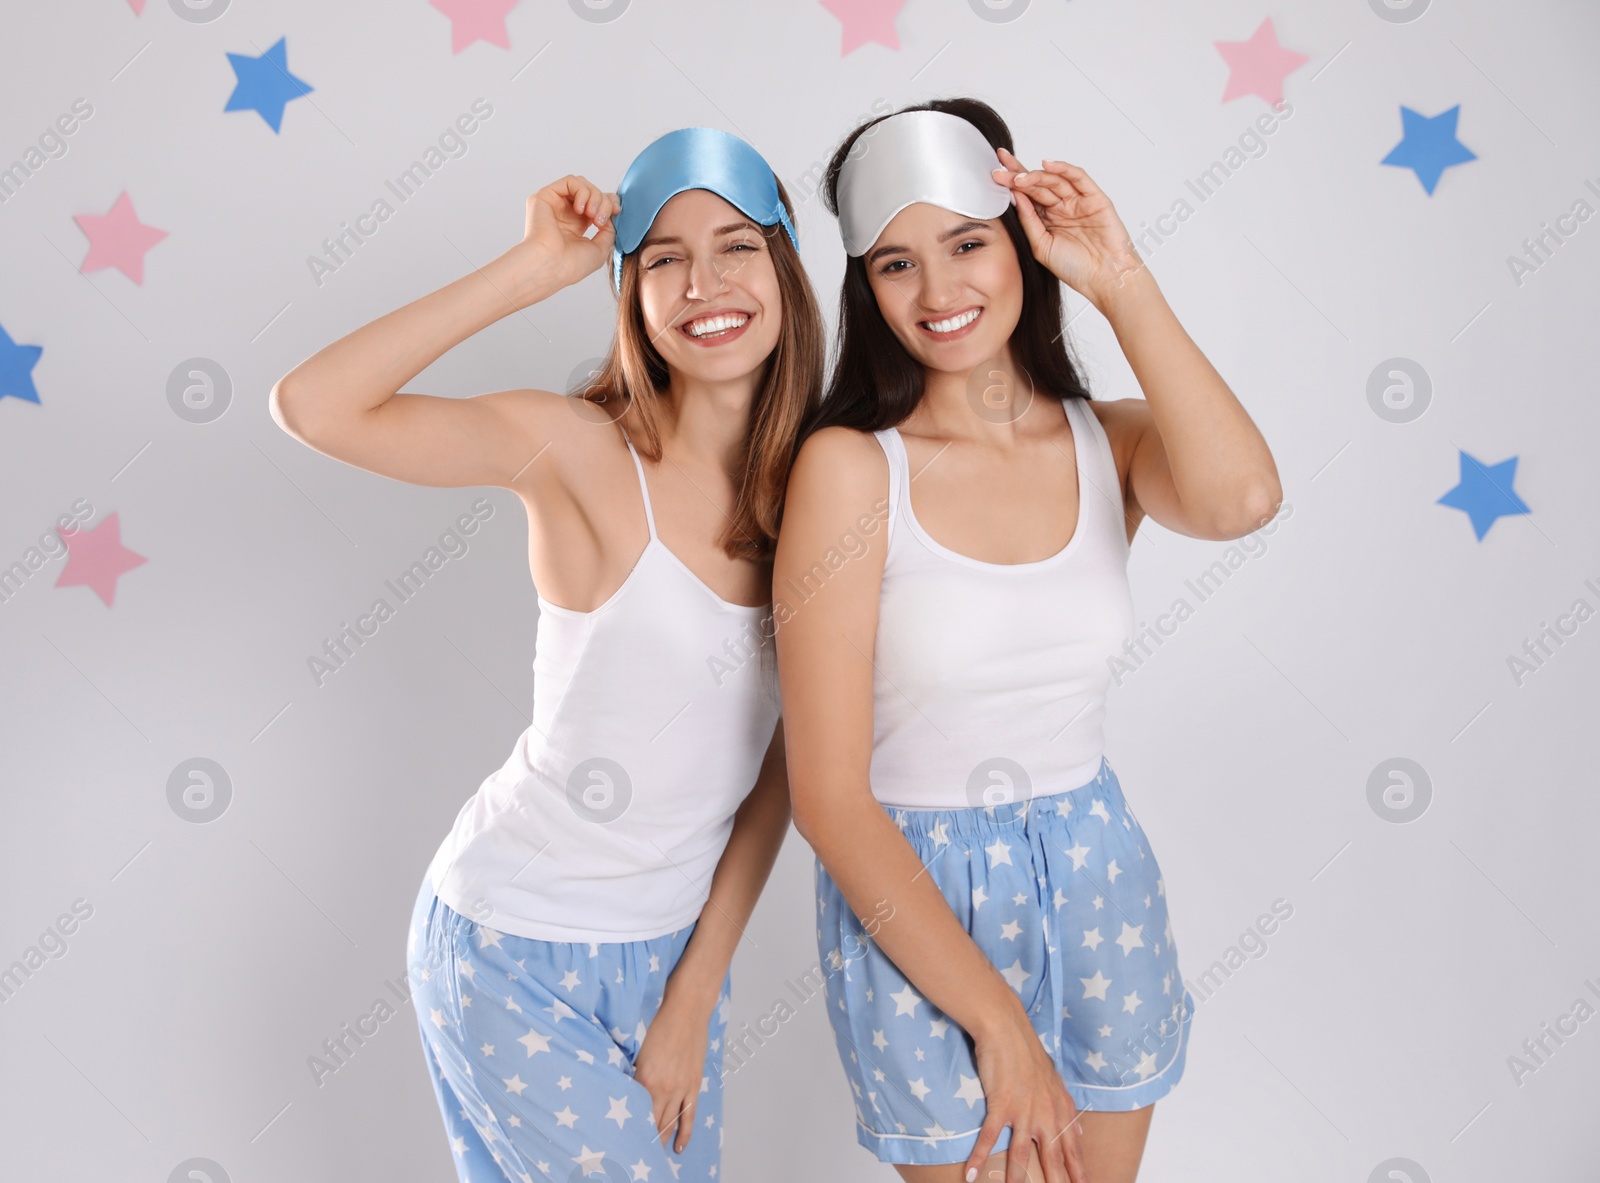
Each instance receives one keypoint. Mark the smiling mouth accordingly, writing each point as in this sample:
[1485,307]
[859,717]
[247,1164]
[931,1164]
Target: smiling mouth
[950,325]
[707,327]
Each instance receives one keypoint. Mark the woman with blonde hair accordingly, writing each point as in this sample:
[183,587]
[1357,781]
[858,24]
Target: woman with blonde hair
[570,945]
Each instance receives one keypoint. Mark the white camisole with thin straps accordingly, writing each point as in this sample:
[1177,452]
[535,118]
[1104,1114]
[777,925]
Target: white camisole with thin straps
[651,716]
[990,679]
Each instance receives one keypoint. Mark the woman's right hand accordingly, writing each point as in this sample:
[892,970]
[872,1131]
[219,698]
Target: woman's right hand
[1023,1090]
[558,218]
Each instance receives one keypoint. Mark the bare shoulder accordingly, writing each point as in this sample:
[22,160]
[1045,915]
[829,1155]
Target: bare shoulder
[841,458]
[830,538]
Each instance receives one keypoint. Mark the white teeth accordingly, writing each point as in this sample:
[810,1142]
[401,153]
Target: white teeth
[954,323]
[716,324]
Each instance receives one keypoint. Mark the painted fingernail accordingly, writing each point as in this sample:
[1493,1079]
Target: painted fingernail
[972,1173]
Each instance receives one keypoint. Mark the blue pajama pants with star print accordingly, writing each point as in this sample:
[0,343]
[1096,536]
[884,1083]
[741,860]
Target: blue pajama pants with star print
[531,1046]
[1063,894]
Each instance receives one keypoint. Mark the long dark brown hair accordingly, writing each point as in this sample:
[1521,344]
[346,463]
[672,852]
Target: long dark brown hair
[634,373]
[875,382]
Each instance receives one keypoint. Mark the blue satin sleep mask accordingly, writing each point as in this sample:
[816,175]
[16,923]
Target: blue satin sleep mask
[694,158]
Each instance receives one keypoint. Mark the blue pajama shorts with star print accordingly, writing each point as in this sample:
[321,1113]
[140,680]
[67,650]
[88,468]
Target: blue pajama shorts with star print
[1063,894]
[531,1046]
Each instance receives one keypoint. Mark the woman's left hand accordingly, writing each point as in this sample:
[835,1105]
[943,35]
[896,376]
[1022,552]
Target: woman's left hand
[1071,225]
[670,1063]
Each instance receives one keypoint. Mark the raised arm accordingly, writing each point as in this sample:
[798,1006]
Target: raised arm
[345,401]
[825,646]
[1198,464]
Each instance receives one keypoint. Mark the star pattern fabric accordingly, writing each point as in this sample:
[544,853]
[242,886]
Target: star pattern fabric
[1063,894]
[531,1046]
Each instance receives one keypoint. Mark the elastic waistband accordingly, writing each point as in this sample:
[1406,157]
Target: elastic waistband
[1031,813]
[428,898]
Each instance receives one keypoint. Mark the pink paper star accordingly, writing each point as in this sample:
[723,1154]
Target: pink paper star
[96,557]
[137,6]
[1259,66]
[866,20]
[118,239]
[476,20]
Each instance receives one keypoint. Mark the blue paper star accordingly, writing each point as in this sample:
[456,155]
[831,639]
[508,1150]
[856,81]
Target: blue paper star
[1429,146]
[1485,492]
[265,84]
[16,368]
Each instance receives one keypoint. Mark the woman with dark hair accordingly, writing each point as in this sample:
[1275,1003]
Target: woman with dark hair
[570,945]
[1001,972]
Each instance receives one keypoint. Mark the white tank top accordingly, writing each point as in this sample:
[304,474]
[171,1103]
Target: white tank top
[990,678]
[651,717]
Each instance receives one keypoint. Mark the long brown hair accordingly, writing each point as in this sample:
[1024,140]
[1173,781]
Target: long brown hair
[875,382]
[635,374]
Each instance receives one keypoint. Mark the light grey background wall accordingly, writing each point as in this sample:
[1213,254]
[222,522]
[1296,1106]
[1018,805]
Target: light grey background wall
[1384,1019]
